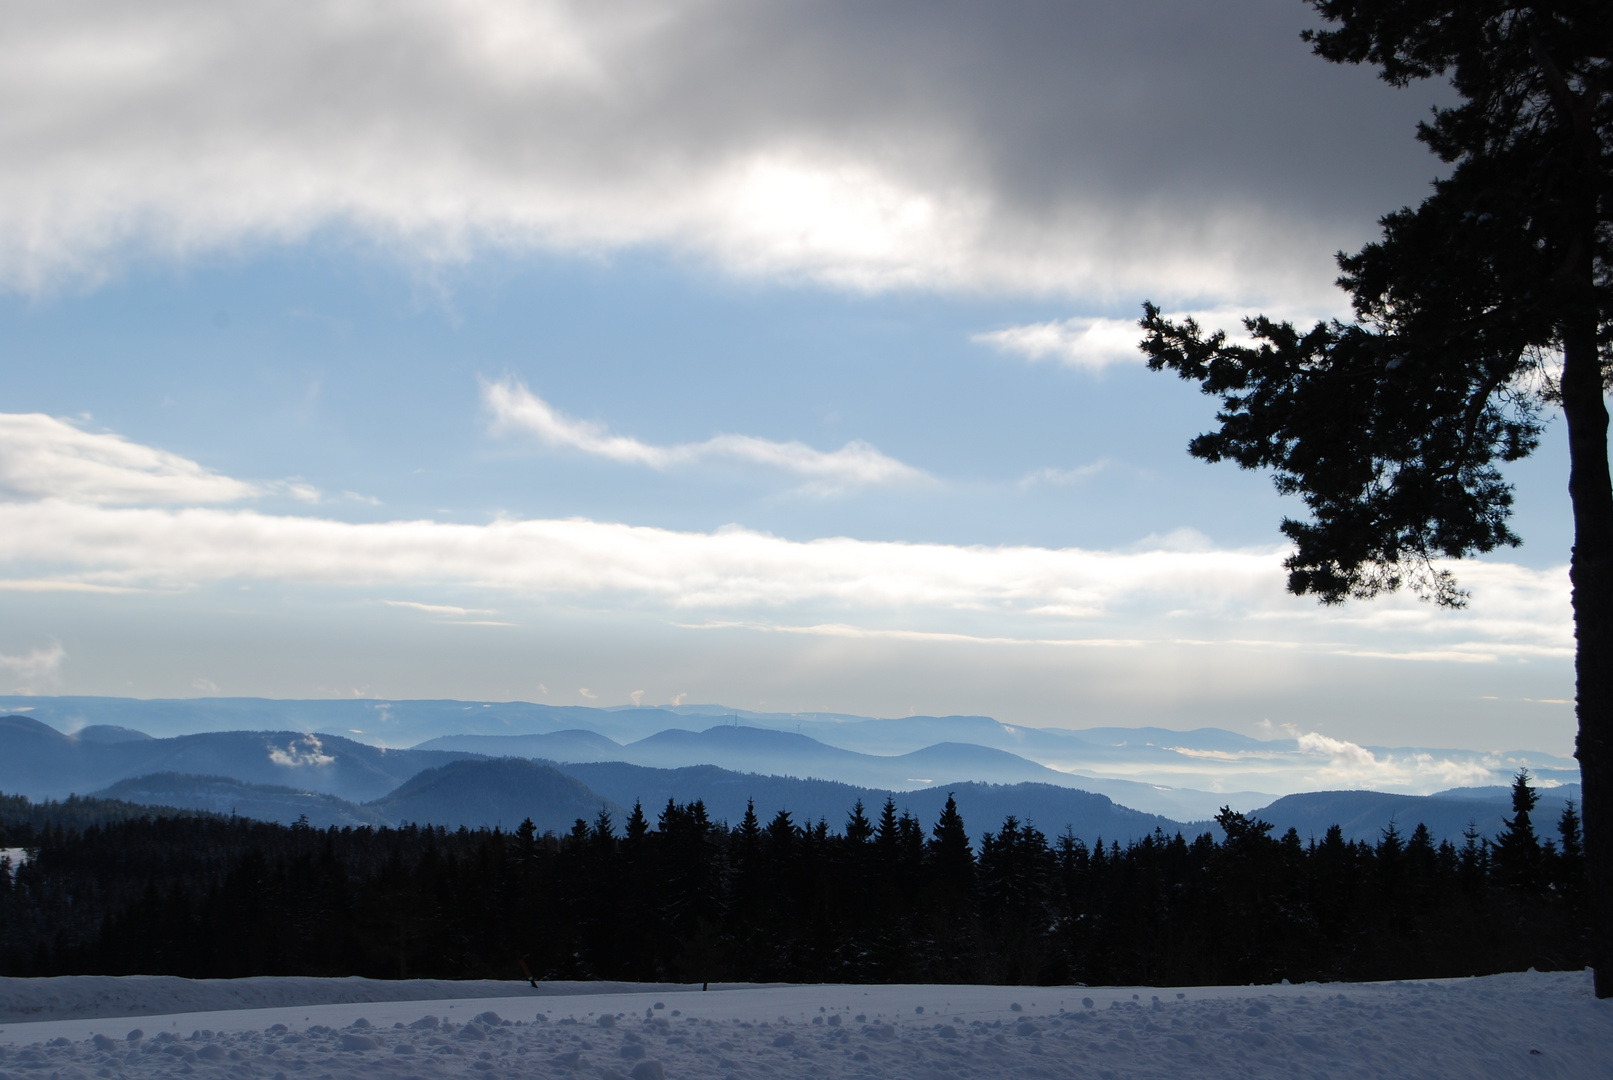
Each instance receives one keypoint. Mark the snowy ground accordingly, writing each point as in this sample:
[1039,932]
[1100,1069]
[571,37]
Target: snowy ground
[1511,1026]
[93,996]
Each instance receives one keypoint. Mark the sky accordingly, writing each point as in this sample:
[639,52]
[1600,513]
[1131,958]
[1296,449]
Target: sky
[775,355]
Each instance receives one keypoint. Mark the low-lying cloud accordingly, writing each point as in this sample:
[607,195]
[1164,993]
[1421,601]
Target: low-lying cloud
[307,752]
[43,662]
[856,464]
[1351,765]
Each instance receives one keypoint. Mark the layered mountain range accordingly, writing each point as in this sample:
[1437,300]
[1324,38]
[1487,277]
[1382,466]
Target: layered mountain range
[556,777]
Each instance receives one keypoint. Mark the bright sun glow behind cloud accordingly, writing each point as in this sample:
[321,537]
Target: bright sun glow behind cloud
[853,155]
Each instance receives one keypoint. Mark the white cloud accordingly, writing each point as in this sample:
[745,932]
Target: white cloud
[1065,477]
[41,456]
[439,609]
[1084,342]
[296,489]
[1356,766]
[36,663]
[732,567]
[48,457]
[856,464]
[1094,343]
[302,753]
[1024,146]
[41,585]
[1208,596]
[1177,589]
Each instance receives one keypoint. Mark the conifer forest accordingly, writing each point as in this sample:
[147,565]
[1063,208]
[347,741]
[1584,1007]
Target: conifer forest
[882,898]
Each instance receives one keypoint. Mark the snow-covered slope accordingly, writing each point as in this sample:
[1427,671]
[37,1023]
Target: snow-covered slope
[1523,1025]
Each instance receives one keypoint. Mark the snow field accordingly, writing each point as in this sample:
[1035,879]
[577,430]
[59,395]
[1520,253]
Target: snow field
[73,996]
[1504,1026]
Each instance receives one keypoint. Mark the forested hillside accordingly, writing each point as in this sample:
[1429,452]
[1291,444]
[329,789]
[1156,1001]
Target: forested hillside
[885,898]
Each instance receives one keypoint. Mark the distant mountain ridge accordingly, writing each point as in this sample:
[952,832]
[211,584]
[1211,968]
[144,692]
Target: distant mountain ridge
[1194,758]
[40,762]
[503,792]
[228,796]
[744,749]
[1366,815]
[335,780]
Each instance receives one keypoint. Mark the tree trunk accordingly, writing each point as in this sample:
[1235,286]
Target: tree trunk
[1591,573]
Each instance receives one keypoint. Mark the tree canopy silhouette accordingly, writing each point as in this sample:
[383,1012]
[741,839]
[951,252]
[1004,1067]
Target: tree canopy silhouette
[1475,313]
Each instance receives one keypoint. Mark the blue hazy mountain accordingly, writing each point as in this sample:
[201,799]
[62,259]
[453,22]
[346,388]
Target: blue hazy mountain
[759,750]
[472,793]
[1185,760]
[745,749]
[394,723]
[571,745]
[504,792]
[983,806]
[224,795]
[110,733]
[1365,815]
[500,793]
[40,762]
[904,753]
[476,792]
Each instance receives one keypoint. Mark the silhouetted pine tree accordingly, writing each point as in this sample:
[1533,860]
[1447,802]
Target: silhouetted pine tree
[1517,848]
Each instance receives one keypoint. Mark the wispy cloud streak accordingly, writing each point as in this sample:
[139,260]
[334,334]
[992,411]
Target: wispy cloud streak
[857,464]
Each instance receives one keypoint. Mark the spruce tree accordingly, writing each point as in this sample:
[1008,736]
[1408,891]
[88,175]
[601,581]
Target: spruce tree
[950,851]
[749,833]
[888,835]
[1571,855]
[637,826]
[1517,848]
[858,827]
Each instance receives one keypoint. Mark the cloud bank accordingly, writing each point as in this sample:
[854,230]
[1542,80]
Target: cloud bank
[857,464]
[1097,150]
[120,523]
[41,456]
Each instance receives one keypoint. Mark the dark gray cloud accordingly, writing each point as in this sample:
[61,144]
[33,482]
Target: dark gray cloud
[1195,152]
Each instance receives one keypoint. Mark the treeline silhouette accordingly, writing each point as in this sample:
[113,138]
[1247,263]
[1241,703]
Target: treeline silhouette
[882,899]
